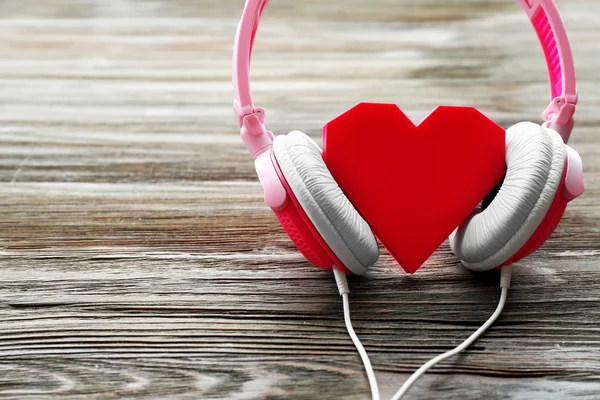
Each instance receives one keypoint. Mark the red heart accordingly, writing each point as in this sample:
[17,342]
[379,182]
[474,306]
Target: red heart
[414,184]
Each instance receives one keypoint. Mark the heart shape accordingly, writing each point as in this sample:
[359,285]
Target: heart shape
[414,184]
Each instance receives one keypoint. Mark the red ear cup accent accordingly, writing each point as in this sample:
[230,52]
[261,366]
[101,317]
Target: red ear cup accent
[303,233]
[297,230]
[547,226]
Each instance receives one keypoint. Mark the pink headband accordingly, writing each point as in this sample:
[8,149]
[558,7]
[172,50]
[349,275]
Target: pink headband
[543,15]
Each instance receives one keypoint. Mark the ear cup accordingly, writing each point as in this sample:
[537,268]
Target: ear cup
[305,239]
[342,228]
[535,160]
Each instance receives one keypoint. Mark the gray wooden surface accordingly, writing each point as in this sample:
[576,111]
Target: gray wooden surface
[137,259]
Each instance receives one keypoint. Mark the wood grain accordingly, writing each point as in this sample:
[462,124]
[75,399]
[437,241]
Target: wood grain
[137,259]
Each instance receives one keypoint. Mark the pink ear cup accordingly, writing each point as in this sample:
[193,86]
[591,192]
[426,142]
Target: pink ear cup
[301,235]
[547,226]
[302,232]
[292,223]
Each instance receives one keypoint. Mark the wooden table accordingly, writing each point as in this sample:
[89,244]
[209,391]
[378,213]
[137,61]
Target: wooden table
[137,259]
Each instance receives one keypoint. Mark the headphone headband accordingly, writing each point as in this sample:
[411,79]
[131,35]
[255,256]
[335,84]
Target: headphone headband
[543,14]
[242,53]
[548,24]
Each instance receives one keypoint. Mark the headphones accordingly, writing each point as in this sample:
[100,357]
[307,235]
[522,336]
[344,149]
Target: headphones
[542,173]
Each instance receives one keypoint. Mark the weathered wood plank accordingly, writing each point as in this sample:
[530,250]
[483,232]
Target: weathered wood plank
[138,261]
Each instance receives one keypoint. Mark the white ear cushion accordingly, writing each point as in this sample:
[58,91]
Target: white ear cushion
[535,158]
[335,218]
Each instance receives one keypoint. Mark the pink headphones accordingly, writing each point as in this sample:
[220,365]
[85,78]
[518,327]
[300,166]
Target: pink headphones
[542,175]
[542,172]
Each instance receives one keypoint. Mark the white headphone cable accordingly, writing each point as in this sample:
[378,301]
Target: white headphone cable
[342,284]
[505,276]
